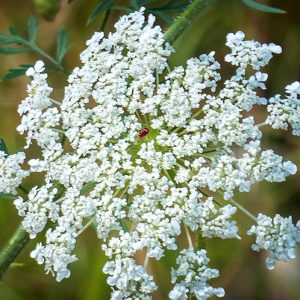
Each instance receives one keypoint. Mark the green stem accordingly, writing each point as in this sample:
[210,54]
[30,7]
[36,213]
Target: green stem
[44,54]
[55,102]
[188,236]
[106,16]
[13,248]
[243,209]
[87,225]
[184,20]
[146,262]
[20,237]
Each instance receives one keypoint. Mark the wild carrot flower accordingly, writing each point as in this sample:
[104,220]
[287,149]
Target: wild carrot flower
[151,149]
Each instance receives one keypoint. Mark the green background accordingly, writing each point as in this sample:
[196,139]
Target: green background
[243,272]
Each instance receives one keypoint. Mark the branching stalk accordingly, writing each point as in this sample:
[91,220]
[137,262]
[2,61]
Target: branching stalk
[188,236]
[184,20]
[146,262]
[44,54]
[86,226]
[244,210]
[12,249]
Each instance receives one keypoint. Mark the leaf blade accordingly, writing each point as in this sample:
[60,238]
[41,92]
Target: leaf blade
[10,51]
[101,7]
[32,28]
[165,17]
[12,30]
[134,4]
[145,2]
[7,197]
[13,73]
[262,7]
[3,146]
[62,44]
[6,39]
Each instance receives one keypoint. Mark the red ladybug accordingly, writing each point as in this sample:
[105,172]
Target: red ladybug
[143,132]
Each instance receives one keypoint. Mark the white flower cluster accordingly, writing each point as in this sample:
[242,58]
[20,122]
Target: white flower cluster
[130,280]
[39,118]
[11,173]
[212,222]
[251,53]
[150,147]
[284,112]
[278,236]
[192,275]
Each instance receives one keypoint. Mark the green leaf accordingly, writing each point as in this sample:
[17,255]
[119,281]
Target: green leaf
[9,51]
[119,7]
[3,146]
[134,4]
[166,18]
[32,28]
[145,2]
[171,6]
[12,73]
[12,30]
[8,39]
[70,1]
[8,197]
[101,7]
[25,45]
[47,8]
[262,7]
[63,45]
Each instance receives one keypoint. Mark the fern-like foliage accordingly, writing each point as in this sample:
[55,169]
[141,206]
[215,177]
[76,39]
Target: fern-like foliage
[13,43]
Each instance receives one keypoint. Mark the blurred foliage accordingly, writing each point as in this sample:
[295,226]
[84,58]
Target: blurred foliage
[47,8]
[29,44]
[163,9]
[3,146]
[243,273]
[262,7]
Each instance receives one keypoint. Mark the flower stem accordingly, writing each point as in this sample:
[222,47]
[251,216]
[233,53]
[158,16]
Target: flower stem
[35,48]
[55,102]
[261,124]
[188,236]
[146,262]
[86,226]
[244,210]
[184,20]
[104,22]
[14,246]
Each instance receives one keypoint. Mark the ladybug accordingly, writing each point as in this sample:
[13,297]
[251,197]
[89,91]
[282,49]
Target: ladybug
[143,132]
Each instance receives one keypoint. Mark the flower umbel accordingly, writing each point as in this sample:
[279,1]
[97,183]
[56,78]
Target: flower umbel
[152,151]
[11,173]
[194,273]
[278,236]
